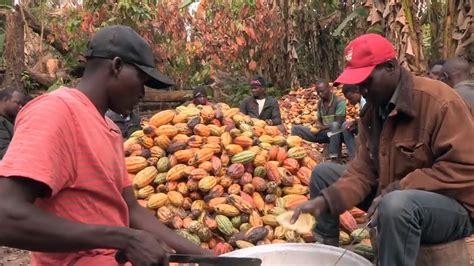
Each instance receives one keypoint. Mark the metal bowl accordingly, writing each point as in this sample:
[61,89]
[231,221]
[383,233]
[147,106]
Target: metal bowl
[300,254]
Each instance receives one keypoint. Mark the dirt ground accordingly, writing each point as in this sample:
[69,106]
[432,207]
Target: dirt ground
[13,257]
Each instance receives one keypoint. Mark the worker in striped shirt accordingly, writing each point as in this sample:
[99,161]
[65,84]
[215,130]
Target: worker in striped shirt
[331,112]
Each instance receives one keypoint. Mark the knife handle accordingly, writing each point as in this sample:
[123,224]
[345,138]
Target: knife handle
[120,257]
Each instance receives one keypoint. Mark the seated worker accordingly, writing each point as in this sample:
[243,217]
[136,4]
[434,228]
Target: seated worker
[11,101]
[414,164]
[331,115]
[260,105]
[435,70]
[199,96]
[127,123]
[352,94]
[455,73]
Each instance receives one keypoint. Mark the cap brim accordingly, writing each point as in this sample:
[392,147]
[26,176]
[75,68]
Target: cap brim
[353,76]
[157,80]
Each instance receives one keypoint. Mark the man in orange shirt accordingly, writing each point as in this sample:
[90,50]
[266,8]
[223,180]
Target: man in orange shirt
[64,187]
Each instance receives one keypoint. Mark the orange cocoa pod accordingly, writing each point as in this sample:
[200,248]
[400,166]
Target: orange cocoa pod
[162,141]
[226,181]
[255,219]
[216,201]
[180,138]
[234,189]
[259,201]
[281,155]
[309,163]
[258,131]
[304,175]
[212,243]
[248,199]
[177,222]
[291,165]
[226,139]
[273,153]
[210,223]
[162,118]
[176,172]
[202,155]
[202,130]
[225,159]
[216,165]
[167,130]
[216,191]
[272,173]
[198,174]
[183,156]
[243,141]
[233,149]
[259,183]
[348,222]
[292,201]
[195,141]
[207,166]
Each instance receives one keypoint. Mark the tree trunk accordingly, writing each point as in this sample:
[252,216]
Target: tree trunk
[152,95]
[448,43]
[14,48]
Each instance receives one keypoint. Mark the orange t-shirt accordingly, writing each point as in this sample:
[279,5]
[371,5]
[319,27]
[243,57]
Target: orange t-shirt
[62,141]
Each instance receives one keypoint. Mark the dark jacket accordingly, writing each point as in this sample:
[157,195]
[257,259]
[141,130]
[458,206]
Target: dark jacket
[466,90]
[126,127]
[6,135]
[425,143]
[271,110]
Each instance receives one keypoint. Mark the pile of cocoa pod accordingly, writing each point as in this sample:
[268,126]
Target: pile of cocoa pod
[298,107]
[218,177]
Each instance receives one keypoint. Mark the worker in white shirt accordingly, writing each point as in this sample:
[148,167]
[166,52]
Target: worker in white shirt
[350,129]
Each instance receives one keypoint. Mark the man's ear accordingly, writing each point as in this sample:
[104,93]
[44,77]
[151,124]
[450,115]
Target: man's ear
[117,66]
[444,77]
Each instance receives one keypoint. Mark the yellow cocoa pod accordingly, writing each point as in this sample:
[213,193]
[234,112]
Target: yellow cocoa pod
[244,244]
[157,200]
[135,164]
[144,177]
[145,192]
[227,210]
[175,198]
[279,232]
[270,220]
[255,219]
[207,183]
[164,214]
[296,189]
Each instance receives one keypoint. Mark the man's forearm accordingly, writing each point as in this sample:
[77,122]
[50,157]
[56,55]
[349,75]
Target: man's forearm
[143,219]
[28,227]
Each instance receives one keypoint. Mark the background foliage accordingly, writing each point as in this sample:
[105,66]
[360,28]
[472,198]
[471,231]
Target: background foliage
[222,43]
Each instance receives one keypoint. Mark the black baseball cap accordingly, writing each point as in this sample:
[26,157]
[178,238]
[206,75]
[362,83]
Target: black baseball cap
[122,41]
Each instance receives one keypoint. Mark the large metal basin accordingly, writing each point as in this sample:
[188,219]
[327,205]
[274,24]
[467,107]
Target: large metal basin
[300,254]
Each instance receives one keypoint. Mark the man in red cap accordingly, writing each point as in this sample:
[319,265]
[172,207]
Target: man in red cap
[414,165]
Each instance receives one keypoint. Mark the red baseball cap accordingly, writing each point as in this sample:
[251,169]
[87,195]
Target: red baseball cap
[362,55]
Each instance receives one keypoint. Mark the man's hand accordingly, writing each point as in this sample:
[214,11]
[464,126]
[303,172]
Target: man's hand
[269,122]
[373,207]
[144,249]
[315,207]
[350,125]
